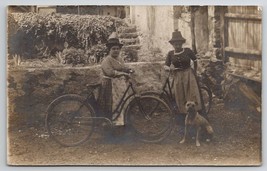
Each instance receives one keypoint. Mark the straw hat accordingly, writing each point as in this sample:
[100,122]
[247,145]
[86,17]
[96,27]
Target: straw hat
[177,36]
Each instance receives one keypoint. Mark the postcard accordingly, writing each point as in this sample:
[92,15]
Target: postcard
[134,85]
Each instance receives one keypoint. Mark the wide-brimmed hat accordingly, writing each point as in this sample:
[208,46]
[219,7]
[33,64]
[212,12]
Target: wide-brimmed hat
[177,36]
[113,40]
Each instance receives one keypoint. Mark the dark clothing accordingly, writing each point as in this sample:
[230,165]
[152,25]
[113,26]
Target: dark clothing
[185,83]
[105,100]
[180,60]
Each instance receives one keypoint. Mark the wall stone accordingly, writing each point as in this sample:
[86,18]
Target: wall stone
[31,90]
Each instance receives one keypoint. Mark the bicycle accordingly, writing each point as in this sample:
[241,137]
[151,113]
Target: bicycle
[166,94]
[71,119]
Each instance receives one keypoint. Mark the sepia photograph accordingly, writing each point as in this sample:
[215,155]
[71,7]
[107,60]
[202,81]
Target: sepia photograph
[134,85]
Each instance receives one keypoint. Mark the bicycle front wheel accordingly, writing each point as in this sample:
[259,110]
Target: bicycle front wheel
[151,118]
[69,120]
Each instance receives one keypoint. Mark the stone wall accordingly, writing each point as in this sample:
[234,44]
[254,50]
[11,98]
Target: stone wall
[31,90]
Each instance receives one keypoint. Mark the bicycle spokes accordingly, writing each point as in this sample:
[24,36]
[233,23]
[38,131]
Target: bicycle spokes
[69,121]
[150,117]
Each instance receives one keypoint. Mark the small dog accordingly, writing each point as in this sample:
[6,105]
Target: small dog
[195,119]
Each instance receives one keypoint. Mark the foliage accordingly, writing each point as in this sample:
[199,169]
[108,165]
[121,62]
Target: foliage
[42,36]
[72,56]
[97,53]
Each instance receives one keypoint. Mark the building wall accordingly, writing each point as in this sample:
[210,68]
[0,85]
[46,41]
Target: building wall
[158,22]
[183,26]
[162,31]
[21,9]
[108,10]
[116,11]
[46,9]
[201,29]
[155,23]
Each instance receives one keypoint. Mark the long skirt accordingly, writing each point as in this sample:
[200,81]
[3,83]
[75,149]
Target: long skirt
[105,99]
[118,88]
[186,89]
[110,95]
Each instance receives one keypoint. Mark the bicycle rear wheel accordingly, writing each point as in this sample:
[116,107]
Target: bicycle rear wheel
[69,120]
[207,98]
[151,118]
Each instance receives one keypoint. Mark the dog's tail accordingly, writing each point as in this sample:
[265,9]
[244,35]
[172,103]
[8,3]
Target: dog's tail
[209,129]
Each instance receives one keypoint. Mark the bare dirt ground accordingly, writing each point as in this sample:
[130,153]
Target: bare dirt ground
[237,141]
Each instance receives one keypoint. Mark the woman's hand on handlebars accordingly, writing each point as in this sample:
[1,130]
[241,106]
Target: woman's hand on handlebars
[130,71]
[169,68]
[120,74]
[166,68]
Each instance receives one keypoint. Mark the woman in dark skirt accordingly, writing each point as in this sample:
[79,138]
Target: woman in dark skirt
[185,83]
[112,67]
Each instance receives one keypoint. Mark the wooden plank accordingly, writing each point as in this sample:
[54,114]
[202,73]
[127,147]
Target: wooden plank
[243,61]
[244,77]
[232,34]
[223,28]
[243,16]
[256,65]
[243,47]
[254,98]
[243,51]
[258,36]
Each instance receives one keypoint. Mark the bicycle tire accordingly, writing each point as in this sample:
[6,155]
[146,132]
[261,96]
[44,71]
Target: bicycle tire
[69,120]
[207,98]
[150,117]
[158,94]
[205,92]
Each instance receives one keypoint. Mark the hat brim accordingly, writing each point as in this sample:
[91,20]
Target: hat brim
[176,40]
[109,45]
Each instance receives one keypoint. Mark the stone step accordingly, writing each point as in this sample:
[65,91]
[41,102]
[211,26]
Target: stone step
[130,41]
[128,35]
[130,47]
[130,29]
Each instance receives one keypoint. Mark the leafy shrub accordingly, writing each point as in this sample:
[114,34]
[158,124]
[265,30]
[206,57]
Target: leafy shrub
[41,36]
[97,53]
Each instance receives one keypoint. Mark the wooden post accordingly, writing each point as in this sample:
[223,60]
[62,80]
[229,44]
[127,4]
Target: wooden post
[132,13]
[78,10]
[201,29]
[192,9]
[223,28]
[177,11]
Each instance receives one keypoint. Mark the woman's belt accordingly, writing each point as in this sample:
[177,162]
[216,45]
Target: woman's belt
[181,69]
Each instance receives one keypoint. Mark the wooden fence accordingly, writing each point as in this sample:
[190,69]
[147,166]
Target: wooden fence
[241,30]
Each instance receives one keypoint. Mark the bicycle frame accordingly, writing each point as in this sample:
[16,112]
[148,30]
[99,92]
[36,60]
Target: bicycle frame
[123,100]
[167,93]
[167,84]
[117,112]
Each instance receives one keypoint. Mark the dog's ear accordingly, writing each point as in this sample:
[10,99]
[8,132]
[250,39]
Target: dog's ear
[185,102]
